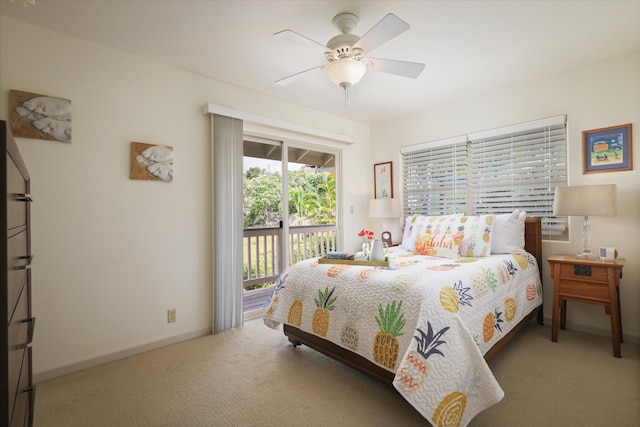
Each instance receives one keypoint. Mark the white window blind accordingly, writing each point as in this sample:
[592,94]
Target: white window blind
[495,171]
[435,177]
[518,168]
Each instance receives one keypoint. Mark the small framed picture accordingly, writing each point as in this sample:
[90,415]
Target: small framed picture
[607,149]
[383,180]
[151,162]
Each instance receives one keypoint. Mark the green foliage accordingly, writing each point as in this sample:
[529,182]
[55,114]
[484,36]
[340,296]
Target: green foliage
[253,172]
[312,201]
[312,197]
[262,198]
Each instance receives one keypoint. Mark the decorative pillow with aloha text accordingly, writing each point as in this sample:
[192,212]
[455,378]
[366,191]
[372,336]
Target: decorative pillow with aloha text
[414,224]
[439,236]
[452,236]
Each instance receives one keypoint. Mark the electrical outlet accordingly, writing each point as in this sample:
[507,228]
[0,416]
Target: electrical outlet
[171,315]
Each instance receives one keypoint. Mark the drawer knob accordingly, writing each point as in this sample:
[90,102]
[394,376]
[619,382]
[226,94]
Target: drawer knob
[32,325]
[22,197]
[582,270]
[27,266]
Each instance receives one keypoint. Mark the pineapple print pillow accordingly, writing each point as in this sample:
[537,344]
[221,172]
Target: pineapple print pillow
[452,236]
[439,236]
[410,234]
[415,224]
[478,231]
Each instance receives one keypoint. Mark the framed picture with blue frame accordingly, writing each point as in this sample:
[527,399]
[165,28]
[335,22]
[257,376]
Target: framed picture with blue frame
[607,149]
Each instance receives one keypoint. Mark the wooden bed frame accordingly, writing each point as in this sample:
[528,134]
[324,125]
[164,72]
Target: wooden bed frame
[533,245]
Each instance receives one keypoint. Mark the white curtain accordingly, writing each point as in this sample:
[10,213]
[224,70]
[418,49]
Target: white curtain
[227,136]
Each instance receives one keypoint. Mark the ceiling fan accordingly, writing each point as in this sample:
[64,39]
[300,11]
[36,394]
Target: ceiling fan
[345,53]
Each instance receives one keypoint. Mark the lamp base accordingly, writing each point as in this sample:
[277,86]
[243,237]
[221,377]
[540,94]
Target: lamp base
[586,254]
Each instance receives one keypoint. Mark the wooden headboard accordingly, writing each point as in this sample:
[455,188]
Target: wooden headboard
[533,239]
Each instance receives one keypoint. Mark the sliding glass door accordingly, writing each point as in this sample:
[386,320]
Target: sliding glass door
[289,210]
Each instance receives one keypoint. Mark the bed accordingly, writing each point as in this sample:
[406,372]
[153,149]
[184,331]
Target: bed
[425,324]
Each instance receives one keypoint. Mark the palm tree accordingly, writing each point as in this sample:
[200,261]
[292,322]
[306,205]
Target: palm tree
[305,205]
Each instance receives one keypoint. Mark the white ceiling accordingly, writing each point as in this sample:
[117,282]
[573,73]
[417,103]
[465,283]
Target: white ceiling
[469,47]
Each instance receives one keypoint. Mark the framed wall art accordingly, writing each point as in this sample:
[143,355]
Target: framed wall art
[37,116]
[383,180]
[607,149]
[151,162]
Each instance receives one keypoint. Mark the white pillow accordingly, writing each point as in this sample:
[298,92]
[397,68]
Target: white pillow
[508,233]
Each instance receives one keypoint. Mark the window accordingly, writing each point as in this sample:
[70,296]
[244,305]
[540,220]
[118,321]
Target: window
[491,172]
[435,177]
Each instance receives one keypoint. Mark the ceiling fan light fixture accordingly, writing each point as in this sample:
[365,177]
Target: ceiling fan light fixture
[346,72]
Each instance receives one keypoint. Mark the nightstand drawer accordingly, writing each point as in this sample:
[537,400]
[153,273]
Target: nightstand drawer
[588,290]
[584,272]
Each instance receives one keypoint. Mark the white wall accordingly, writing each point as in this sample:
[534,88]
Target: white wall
[113,254]
[595,96]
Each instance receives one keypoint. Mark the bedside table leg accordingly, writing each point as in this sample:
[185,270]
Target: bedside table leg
[616,323]
[619,311]
[615,329]
[554,319]
[563,314]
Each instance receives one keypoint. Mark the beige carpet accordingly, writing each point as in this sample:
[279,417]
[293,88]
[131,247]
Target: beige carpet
[251,376]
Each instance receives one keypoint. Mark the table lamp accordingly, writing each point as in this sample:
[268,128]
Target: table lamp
[384,208]
[586,200]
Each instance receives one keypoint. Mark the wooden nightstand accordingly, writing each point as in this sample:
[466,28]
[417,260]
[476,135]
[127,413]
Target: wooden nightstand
[586,280]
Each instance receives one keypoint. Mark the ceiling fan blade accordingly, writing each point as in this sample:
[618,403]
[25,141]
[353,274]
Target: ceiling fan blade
[401,68]
[295,77]
[299,39]
[389,27]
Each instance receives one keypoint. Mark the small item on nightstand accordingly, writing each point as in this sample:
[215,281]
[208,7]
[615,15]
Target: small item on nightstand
[608,253]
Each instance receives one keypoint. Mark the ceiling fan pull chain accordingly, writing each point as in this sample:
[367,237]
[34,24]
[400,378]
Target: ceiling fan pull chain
[345,86]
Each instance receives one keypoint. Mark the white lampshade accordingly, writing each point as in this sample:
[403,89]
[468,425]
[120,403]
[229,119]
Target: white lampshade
[586,200]
[384,208]
[346,71]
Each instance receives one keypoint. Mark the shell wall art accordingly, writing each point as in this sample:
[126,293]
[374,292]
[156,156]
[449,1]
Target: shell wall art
[151,162]
[39,116]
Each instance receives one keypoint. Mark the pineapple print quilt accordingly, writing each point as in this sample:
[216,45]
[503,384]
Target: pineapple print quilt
[428,319]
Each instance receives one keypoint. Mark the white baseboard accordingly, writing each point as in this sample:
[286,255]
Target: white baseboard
[255,314]
[79,366]
[75,367]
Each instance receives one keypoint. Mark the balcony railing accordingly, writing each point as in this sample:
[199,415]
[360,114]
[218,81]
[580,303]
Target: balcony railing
[262,263]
